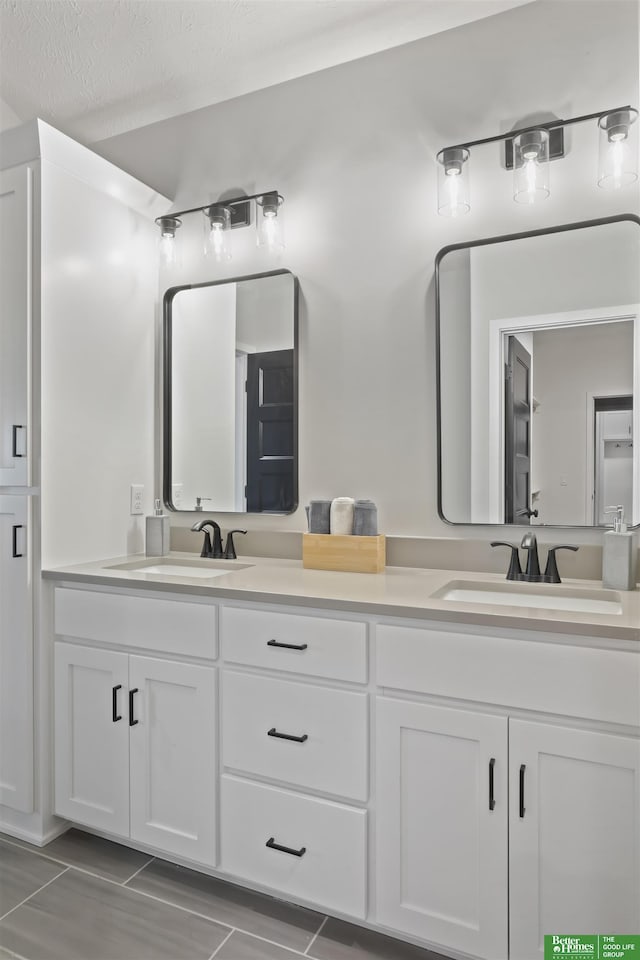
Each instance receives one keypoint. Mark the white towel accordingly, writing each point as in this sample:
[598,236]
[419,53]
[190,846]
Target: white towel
[341,519]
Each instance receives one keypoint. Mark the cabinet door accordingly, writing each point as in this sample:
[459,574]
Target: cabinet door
[15,306]
[574,841]
[91,737]
[16,658]
[441,825]
[173,757]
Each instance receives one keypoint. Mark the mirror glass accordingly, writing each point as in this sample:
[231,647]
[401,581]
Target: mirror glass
[539,376]
[231,395]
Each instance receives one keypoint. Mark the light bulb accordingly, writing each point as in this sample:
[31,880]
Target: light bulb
[217,232]
[617,156]
[167,244]
[269,230]
[531,166]
[453,182]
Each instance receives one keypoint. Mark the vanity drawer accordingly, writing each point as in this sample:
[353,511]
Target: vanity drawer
[545,675]
[332,758]
[150,623]
[318,646]
[332,870]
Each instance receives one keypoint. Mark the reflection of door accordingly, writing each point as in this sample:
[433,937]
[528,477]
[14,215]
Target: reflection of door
[270,432]
[613,456]
[517,432]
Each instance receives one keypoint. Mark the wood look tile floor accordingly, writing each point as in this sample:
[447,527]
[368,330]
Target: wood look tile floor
[85,898]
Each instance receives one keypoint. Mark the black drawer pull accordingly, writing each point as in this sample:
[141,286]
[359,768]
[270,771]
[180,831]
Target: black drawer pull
[287,736]
[14,440]
[271,843]
[492,801]
[115,716]
[14,538]
[523,767]
[287,646]
[132,693]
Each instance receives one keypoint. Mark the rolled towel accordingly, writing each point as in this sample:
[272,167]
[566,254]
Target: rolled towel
[341,521]
[365,519]
[319,516]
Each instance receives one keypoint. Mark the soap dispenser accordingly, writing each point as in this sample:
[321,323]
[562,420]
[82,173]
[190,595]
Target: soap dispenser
[157,533]
[618,554]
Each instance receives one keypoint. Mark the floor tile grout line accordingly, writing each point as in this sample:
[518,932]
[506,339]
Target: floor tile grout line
[315,936]
[139,870]
[12,953]
[168,903]
[221,945]
[22,902]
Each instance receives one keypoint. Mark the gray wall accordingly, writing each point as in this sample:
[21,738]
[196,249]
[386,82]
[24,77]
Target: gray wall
[352,150]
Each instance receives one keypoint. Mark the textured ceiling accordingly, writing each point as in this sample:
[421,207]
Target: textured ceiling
[97,68]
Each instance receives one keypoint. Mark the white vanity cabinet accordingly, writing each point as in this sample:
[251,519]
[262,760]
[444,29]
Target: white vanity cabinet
[136,736]
[16,265]
[563,854]
[574,837]
[306,835]
[16,657]
[441,825]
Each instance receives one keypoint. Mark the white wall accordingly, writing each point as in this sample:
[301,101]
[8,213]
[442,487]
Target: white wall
[264,314]
[600,358]
[98,341]
[203,395]
[352,151]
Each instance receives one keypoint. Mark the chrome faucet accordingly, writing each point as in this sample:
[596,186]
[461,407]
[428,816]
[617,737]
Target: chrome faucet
[532,572]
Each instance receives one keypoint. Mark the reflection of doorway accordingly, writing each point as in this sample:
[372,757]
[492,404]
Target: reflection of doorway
[613,456]
[517,434]
[270,432]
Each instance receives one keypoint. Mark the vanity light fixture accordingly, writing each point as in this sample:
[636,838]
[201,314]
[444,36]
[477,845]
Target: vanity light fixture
[222,216]
[528,151]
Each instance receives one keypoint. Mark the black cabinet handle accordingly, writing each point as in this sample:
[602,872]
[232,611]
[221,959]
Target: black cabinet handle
[14,440]
[287,736]
[115,716]
[287,646]
[132,693]
[14,546]
[492,801]
[523,767]
[271,843]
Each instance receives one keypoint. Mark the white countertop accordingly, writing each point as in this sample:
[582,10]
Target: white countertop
[397,592]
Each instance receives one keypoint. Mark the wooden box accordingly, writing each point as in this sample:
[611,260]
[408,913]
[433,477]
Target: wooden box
[322,551]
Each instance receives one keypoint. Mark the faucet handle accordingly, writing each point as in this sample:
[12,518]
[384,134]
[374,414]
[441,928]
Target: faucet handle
[230,550]
[515,570]
[551,574]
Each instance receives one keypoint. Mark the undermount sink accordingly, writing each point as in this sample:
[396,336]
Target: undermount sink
[175,567]
[538,596]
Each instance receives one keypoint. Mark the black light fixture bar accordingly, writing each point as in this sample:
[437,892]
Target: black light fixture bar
[240,210]
[550,125]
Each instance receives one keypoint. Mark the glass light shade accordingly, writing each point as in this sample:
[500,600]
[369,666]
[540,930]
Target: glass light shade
[269,226]
[453,182]
[168,246]
[531,166]
[618,149]
[217,226]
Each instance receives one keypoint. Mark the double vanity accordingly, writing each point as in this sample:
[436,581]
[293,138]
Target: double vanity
[455,761]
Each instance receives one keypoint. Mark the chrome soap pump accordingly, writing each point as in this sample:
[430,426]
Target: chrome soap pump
[619,554]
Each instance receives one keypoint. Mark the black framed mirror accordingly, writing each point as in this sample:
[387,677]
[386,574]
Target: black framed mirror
[538,376]
[230,383]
